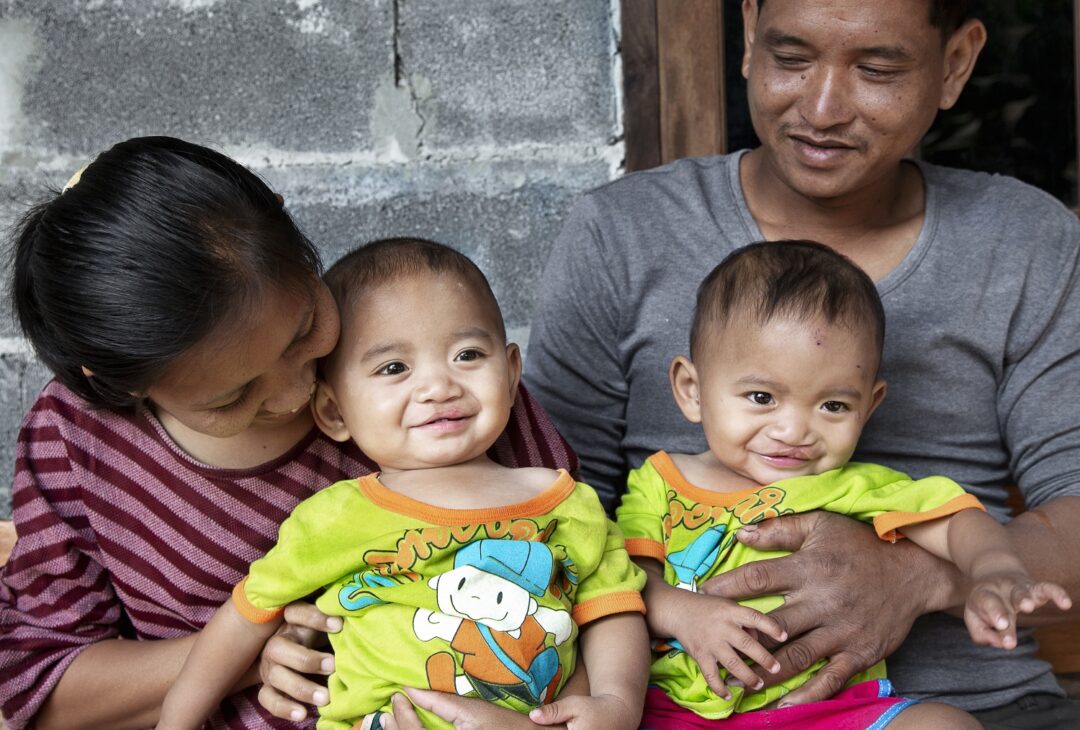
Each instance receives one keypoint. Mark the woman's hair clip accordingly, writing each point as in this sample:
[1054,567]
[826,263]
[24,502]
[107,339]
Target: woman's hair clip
[74,179]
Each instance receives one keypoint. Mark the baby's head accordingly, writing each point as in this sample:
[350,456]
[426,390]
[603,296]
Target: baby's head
[422,375]
[784,354]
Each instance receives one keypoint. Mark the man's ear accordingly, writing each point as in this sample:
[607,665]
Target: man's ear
[961,51]
[513,360]
[877,395]
[685,387]
[327,415]
[750,17]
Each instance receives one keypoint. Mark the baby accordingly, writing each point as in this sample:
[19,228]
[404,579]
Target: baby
[785,347]
[450,571]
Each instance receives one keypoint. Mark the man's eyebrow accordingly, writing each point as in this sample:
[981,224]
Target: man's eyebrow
[776,38]
[887,53]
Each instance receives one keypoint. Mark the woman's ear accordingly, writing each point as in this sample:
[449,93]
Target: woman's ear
[327,415]
[685,387]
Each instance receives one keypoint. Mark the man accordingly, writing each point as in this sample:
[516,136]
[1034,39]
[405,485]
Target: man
[978,275]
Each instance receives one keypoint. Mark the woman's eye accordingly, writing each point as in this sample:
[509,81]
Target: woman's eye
[392,368]
[834,406]
[761,398]
[239,401]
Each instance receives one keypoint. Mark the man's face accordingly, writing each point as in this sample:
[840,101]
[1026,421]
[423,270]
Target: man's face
[841,90]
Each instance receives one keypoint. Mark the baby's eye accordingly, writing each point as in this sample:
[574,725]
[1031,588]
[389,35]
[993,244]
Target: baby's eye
[834,406]
[761,398]
[392,368]
[469,355]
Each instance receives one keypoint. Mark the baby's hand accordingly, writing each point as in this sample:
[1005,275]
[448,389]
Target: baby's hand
[577,712]
[995,599]
[720,632]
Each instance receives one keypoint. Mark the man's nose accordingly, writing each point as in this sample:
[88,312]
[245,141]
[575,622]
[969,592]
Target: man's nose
[826,98]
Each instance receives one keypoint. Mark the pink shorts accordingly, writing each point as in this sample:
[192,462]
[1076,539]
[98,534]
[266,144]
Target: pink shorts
[864,706]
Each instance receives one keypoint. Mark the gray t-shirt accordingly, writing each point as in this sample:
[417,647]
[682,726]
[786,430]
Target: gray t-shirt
[982,358]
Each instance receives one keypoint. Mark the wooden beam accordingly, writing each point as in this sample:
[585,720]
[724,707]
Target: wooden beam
[690,38]
[641,88]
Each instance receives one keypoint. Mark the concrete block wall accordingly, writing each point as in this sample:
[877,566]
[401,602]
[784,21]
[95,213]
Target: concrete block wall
[473,122]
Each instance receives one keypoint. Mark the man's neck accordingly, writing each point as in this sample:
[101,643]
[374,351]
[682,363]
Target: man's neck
[876,226]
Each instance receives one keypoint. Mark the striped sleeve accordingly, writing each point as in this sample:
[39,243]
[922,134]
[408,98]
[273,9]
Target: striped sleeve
[55,600]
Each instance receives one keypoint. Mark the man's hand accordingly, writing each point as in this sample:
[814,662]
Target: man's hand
[849,596]
[289,655]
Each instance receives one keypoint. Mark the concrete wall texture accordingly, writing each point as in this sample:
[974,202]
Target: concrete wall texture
[473,122]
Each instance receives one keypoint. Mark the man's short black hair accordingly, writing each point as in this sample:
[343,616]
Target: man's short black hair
[945,15]
[797,279]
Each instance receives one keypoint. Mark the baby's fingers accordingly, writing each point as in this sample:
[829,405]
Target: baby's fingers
[711,672]
[763,622]
[990,620]
[981,631]
[1040,594]
[738,668]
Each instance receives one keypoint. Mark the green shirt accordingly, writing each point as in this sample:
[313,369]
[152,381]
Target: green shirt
[482,602]
[691,531]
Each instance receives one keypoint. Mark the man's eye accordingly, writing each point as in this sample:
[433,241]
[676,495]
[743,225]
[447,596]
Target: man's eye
[834,406]
[392,368]
[761,398]
[789,61]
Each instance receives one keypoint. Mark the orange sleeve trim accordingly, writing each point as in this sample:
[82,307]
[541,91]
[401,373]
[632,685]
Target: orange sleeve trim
[889,524]
[643,547]
[251,612]
[612,603]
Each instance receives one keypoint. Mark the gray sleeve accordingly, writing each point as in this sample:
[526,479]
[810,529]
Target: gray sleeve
[573,365]
[1039,398]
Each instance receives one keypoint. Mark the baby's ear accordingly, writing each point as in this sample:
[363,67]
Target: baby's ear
[685,387]
[327,414]
[513,361]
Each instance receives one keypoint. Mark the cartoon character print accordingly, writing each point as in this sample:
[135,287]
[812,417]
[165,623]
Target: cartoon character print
[489,613]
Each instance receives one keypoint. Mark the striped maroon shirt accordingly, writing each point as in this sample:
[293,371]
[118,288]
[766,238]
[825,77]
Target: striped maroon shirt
[121,534]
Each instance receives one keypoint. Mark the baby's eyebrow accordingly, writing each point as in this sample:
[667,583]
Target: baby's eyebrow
[382,349]
[469,332]
[762,382]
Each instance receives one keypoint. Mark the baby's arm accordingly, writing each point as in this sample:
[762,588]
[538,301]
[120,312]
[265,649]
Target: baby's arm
[616,650]
[1001,586]
[224,650]
[714,631]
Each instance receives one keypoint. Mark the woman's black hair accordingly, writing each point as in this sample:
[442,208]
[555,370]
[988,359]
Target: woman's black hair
[159,243]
